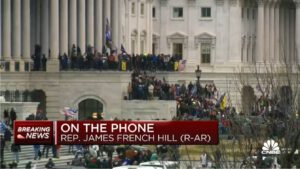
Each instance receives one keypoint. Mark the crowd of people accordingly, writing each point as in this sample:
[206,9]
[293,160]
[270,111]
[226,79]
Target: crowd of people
[193,100]
[94,60]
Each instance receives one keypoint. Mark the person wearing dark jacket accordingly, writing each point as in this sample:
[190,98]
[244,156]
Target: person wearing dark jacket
[13,116]
[50,163]
[2,145]
[16,149]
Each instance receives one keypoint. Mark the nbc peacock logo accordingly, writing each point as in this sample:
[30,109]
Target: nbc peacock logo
[270,147]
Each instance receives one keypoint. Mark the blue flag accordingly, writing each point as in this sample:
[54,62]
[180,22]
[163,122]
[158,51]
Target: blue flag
[123,49]
[108,39]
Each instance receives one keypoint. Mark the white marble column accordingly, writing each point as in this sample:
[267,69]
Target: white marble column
[260,33]
[150,21]
[281,33]
[107,14]
[276,39]
[38,22]
[235,44]
[138,15]
[90,23]
[6,30]
[286,34]
[53,64]
[121,12]
[127,27]
[292,34]
[220,57]
[16,30]
[115,23]
[98,28]
[63,24]
[45,28]
[297,27]
[267,32]
[54,29]
[81,25]
[72,23]
[272,31]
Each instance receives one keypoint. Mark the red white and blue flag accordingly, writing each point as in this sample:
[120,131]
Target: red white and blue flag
[67,111]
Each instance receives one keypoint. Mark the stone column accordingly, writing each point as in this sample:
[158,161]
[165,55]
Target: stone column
[281,33]
[235,21]
[115,23]
[267,32]
[297,27]
[107,14]
[127,27]
[272,31]
[63,24]
[138,15]
[121,12]
[6,30]
[53,64]
[16,30]
[260,32]
[220,57]
[98,27]
[81,25]
[26,34]
[276,39]
[90,23]
[286,34]
[45,28]
[292,34]
[72,23]
[38,22]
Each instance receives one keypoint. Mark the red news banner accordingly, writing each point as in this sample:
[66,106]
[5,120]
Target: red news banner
[133,132]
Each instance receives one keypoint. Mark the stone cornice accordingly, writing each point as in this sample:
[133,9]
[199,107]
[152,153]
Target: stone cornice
[220,2]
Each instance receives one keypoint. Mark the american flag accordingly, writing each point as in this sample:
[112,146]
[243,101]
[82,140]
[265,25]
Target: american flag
[182,65]
[67,111]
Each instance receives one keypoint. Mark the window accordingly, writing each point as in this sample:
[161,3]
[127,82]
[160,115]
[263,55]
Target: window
[177,49]
[205,52]
[142,9]
[177,12]
[205,12]
[253,13]
[153,13]
[132,8]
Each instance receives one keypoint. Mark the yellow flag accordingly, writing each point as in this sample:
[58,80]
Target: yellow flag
[224,103]
[123,65]
[176,65]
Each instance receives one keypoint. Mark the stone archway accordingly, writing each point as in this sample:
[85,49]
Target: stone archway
[87,107]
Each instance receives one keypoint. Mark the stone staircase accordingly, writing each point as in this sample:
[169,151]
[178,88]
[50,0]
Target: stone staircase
[27,154]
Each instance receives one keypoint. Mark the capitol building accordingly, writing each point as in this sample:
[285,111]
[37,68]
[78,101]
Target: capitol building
[226,38]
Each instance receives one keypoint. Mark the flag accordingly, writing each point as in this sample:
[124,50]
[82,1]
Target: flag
[123,49]
[67,111]
[220,99]
[224,103]
[176,66]
[108,39]
[182,65]
[123,65]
